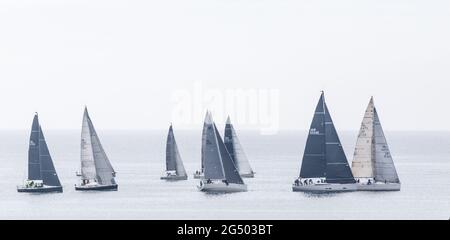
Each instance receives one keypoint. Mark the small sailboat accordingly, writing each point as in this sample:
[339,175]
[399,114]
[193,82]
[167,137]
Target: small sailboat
[97,173]
[373,166]
[174,165]
[199,174]
[324,167]
[236,151]
[42,176]
[221,175]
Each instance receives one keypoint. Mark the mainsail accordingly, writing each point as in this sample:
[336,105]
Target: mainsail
[235,149]
[173,158]
[95,165]
[218,162]
[363,160]
[40,163]
[324,156]
[372,157]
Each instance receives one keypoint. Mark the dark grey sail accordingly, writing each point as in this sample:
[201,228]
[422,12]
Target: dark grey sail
[314,162]
[324,156]
[40,163]
[34,164]
[48,171]
[231,173]
[171,161]
[211,156]
[173,158]
[338,169]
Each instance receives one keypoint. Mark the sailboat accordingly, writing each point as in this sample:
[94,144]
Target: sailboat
[97,173]
[42,176]
[324,167]
[174,165]
[373,166]
[221,175]
[199,174]
[236,151]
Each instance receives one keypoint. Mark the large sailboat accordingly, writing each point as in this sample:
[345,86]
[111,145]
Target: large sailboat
[236,151]
[373,166]
[97,173]
[42,176]
[220,173]
[324,167]
[174,165]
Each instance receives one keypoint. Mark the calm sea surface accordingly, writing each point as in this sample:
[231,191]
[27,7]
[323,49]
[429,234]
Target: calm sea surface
[422,159]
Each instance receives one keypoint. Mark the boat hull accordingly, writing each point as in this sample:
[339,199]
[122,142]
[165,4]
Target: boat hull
[379,187]
[174,178]
[247,175]
[97,188]
[222,188]
[198,176]
[45,189]
[325,188]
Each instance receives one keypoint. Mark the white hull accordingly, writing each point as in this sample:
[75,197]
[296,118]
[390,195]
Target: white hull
[325,188]
[222,188]
[379,187]
[247,175]
[174,178]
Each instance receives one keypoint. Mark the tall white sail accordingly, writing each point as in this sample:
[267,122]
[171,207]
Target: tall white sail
[88,170]
[95,164]
[363,161]
[372,157]
[384,165]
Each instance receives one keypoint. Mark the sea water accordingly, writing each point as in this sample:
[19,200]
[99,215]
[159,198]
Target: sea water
[422,160]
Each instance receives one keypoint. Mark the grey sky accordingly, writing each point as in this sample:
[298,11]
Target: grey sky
[124,59]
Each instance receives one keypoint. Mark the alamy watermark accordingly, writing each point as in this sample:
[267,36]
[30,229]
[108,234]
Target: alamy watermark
[255,108]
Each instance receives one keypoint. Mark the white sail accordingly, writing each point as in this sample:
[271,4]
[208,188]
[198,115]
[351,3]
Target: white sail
[384,165]
[88,170]
[105,172]
[363,161]
[372,157]
[95,164]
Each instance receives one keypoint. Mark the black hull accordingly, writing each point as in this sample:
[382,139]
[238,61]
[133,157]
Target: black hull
[97,188]
[41,190]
